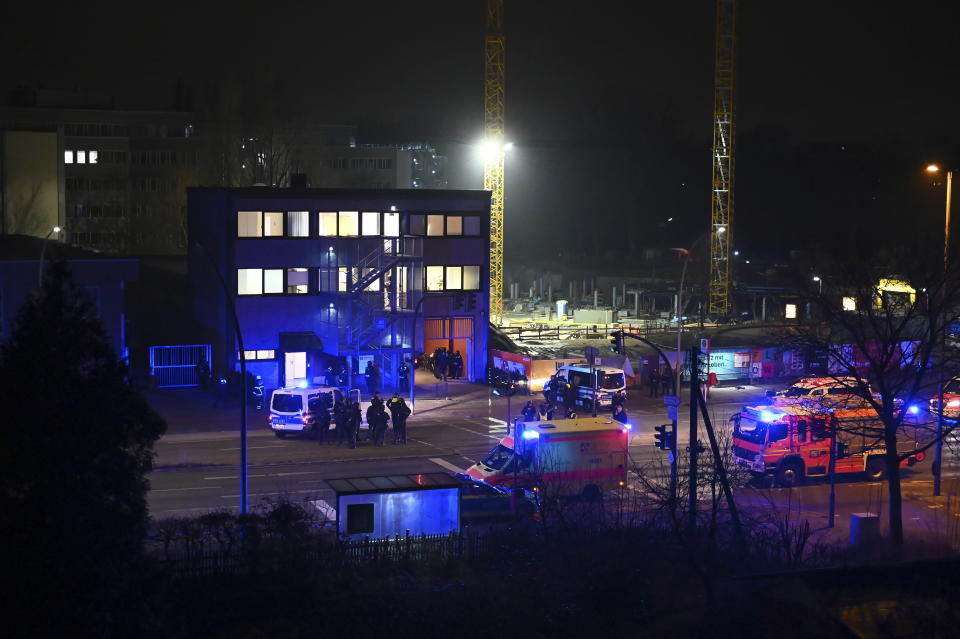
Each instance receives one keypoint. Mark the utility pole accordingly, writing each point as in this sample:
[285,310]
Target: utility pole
[694,444]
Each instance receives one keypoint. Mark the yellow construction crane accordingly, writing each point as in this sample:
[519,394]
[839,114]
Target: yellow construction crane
[494,148]
[721,208]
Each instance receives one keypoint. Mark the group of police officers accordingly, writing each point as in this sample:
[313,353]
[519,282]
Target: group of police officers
[347,419]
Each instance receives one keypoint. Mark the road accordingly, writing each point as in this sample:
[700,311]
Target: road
[198,470]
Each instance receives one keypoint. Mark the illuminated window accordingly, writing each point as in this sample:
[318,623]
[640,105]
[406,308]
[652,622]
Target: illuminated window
[371,223]
[249,281]
[273,280]
[454,225]
[254,355]
[348,223]
[434,225]
[454,278]
[298,223]
[81,157]
[343,281]
[391,224]
[790,312]
[328,224]
[471,225]
[417,225]
[471,278]
[434,278]
[297,281]
[249,224]
[68,157]
[92,157]
[849,304]
[273,224]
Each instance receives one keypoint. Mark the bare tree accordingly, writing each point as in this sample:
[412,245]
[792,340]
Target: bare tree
[882,322]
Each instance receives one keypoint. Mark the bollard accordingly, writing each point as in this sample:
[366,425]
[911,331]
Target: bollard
[864,530]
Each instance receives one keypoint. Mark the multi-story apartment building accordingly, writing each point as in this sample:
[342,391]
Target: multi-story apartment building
[405,166]
[331,277]
[124,172]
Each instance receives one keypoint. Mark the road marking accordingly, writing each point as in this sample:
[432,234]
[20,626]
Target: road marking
[445,464]
[497,421]
[252,447]
[232,477]
[476,432]
[171,490]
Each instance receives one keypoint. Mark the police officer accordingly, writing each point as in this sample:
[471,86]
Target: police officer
[372,373]
[399,411]
[256,393]
[571,393]
[620,414]
[529,413]
[545,411]
[404,374]
[353,422]
[220,392]
[342,419]
[322,423]
[456,365]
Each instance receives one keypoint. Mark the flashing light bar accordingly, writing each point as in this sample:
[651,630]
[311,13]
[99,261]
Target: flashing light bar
[913,410]
[770,416]
[530,434]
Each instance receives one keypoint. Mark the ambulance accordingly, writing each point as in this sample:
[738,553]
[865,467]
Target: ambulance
[293,409]
[567,457]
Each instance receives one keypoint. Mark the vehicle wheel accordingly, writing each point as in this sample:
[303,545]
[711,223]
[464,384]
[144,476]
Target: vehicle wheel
[876,468]
[789,475]
[591,492]
[279,434]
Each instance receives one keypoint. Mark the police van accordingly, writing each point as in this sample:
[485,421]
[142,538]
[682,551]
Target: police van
[610,382]
[293,410]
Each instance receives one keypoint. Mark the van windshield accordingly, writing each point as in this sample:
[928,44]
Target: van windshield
[285,403]
[750,430]
[498,457]
[611,381]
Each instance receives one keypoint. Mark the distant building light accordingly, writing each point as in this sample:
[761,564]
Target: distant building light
[393,207]
[790,311]
[735,253]
[849,304]
[331,304]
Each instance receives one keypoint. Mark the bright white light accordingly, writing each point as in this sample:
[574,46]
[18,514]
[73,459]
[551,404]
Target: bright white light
[492,150]
[736,253]
[953,403]
[722,229]
[56,229]
[669,219]
[331,304]
[816,278]
[913,410]
[748,261]
[393,207]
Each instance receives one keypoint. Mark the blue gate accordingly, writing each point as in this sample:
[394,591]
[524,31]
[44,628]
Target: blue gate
[175,366]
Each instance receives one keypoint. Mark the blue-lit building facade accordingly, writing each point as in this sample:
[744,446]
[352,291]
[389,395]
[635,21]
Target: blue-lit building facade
[334,277]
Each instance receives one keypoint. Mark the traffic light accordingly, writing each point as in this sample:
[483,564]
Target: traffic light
[616,344]
[663,437]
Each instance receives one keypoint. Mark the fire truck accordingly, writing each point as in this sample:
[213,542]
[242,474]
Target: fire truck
[566,457]
[793,442]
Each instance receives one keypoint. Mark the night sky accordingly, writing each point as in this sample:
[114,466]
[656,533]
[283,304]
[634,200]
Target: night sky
[609,108]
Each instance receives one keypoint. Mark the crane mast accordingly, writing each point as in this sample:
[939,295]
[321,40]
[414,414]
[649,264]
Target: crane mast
[493,129]
[721,208]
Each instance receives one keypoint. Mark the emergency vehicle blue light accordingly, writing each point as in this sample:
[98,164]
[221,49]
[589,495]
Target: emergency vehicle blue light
[628,426]
[769,415]
[303,384]
[913,410]
[530,434]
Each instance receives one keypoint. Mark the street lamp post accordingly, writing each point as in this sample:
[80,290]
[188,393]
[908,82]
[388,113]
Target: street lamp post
[819,281]
[938,447]
[43,250]
[683,274]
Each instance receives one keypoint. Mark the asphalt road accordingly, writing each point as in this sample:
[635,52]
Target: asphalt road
[197,470]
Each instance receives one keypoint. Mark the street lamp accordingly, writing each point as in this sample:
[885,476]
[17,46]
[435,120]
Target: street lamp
[43,250]
[816,278]
[938,448]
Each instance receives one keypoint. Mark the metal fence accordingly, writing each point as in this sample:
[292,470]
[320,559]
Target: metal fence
[175,366]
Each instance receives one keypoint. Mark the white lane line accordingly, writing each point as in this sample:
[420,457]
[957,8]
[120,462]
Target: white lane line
[232,477]
[279,492]
[171,490]
[497,421]
[476,432]
[445,464]
[252,447]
